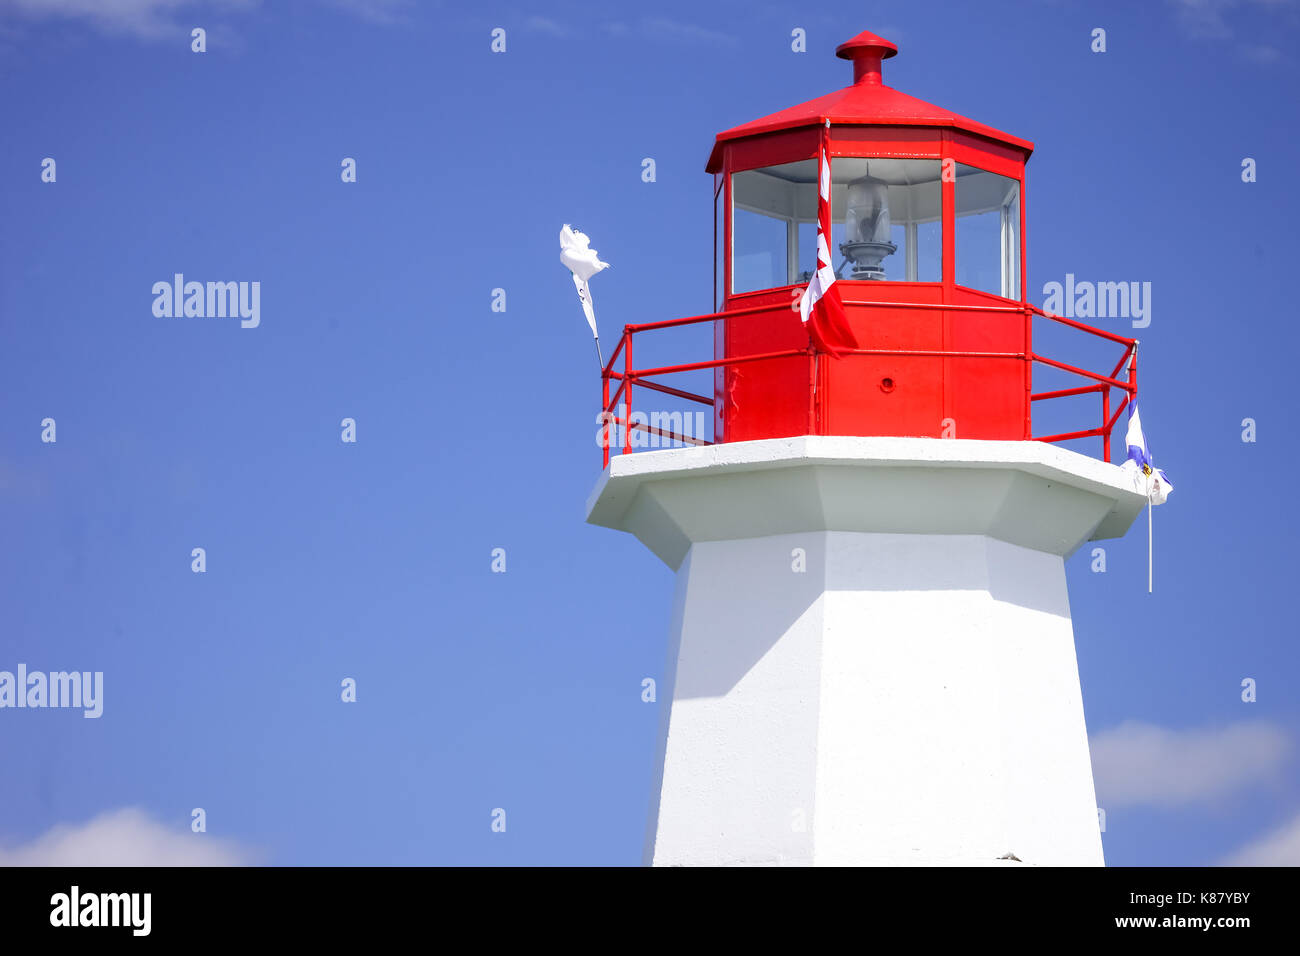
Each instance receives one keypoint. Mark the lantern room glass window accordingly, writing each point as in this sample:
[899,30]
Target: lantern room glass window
[769,206]
[886,222]
[987,231]
[886,219]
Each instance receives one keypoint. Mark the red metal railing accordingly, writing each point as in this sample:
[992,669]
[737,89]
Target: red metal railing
[630,376]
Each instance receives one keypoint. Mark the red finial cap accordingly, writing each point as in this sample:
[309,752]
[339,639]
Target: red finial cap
[866,50]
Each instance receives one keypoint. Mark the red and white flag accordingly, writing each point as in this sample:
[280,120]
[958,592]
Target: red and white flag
[820,307]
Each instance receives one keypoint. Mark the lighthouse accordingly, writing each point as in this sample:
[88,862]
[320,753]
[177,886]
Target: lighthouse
[871,658]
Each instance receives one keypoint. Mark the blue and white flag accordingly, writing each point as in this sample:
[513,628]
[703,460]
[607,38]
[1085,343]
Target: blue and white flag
[1147,479]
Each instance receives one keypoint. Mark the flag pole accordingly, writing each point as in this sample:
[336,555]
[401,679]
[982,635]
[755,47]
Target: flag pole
[1151,480]
[1149,549]
[599,356]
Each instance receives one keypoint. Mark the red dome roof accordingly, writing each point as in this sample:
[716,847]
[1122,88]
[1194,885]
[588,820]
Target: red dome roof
[867,102]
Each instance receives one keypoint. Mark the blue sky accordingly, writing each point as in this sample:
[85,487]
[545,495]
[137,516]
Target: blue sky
[372,560]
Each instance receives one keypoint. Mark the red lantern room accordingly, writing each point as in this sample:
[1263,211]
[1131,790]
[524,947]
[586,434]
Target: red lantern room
[928,247]
[926,208]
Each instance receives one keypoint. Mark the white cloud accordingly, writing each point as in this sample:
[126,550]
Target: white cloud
[1203,18]
[1209,18]
[1142,764]
[126,837]
[546,25]
[1219,19]
[1260,53]
[676,31]
[1281,847]
[376,11]
[148,19]
[157,19]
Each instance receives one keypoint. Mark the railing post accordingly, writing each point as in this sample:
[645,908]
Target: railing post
[1133,377]
[1029,370]
[604,417]
[1132,383]
[1105,423]
[627,391]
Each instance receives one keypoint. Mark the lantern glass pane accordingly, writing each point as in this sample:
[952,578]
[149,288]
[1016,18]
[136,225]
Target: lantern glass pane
[769,206]
[987,231]
[886,218]
[759,241]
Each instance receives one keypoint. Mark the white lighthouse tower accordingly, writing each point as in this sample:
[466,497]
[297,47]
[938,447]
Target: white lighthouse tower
[871,657]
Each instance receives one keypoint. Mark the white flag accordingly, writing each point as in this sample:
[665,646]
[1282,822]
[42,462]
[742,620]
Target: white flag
[579,258]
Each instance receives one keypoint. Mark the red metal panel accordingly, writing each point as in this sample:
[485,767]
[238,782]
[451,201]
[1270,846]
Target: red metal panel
[986,154]
[767,399]
[887,394]
[904,142]
[773,149]
[986,396]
